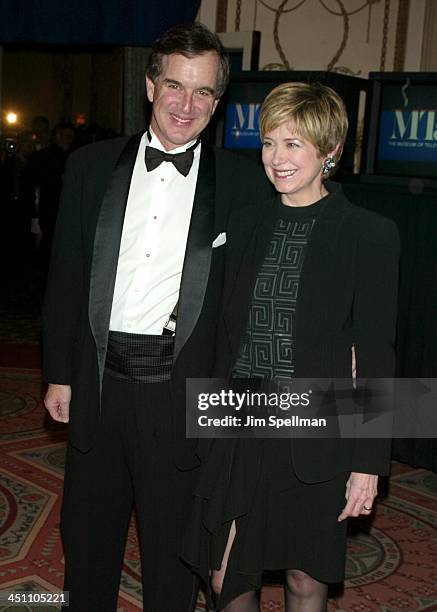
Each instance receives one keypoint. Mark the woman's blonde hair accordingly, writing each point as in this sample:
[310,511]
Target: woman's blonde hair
[316,112]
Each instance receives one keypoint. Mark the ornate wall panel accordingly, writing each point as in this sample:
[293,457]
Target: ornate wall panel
[350,36]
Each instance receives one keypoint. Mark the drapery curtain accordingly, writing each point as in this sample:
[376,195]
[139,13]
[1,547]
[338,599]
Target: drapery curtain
[77,22]
[415,214]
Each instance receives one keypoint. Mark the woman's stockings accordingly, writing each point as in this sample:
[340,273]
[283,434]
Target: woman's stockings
[303,593]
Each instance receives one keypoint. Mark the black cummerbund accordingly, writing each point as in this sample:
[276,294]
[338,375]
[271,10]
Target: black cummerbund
[139,358]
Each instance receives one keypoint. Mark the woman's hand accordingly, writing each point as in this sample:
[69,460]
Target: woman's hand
[361,490]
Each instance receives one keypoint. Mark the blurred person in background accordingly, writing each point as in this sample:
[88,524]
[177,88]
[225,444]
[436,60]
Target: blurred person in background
[16,197]
[41,132]
[47,174]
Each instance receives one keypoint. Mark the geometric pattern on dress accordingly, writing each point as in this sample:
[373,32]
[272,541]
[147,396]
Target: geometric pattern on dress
[268,344]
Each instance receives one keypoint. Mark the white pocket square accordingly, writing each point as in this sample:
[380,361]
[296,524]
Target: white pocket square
[221,239]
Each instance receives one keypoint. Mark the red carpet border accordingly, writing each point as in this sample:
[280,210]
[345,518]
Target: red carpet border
[391,562]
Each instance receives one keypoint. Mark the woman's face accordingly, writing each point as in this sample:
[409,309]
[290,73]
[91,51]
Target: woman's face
[293,165]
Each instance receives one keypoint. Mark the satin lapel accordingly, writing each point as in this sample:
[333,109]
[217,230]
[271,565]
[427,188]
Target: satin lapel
[254,230]
[198,251]
[107,246]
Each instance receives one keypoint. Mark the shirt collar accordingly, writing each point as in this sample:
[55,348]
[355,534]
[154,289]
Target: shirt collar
[156,143]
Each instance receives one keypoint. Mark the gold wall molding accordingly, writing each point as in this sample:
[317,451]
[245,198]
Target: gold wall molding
[337,8]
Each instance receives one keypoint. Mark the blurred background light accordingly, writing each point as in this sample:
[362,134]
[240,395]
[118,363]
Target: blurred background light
[11,118]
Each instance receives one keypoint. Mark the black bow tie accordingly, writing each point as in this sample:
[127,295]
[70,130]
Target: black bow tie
[181,161]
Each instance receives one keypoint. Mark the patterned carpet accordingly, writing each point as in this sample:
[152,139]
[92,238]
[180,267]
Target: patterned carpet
[391,563]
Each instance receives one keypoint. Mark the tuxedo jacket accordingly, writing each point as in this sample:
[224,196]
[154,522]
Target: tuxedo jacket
[347,295]
[81,281]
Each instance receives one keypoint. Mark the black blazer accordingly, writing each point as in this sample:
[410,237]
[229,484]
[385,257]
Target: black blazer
[81,281]
[347,295]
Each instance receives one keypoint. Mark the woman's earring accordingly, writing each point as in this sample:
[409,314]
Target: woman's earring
[328,165]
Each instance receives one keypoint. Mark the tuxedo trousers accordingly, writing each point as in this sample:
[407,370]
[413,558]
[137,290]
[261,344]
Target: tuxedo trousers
[130,464]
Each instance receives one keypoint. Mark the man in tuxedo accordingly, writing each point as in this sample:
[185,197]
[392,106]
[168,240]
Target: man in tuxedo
[138,252]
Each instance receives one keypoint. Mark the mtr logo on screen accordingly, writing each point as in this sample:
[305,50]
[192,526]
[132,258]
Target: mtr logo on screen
[241,127]
[408,135]
[414,125]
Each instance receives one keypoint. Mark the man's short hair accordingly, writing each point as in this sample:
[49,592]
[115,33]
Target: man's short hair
[314,111]
[189,39]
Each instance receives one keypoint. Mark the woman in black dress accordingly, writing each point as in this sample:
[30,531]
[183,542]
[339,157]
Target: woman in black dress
[310,290]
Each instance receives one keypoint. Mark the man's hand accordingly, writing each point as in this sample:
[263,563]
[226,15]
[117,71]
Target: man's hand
[57,402]
[361,490]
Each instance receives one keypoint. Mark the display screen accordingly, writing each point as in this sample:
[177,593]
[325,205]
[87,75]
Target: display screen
[241,126]
[407,133]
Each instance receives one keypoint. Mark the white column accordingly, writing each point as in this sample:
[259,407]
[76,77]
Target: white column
[207,13]
[416,24]
[429,48]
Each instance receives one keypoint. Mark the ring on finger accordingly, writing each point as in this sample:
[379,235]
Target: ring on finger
[367,508]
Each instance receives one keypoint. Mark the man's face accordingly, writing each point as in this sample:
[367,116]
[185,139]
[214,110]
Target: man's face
[183,97]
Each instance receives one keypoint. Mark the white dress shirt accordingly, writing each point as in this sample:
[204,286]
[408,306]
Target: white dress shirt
[153,243]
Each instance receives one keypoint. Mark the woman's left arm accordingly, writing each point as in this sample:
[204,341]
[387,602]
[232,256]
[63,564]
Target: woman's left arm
[375,303]
[374,314]
[374,323]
